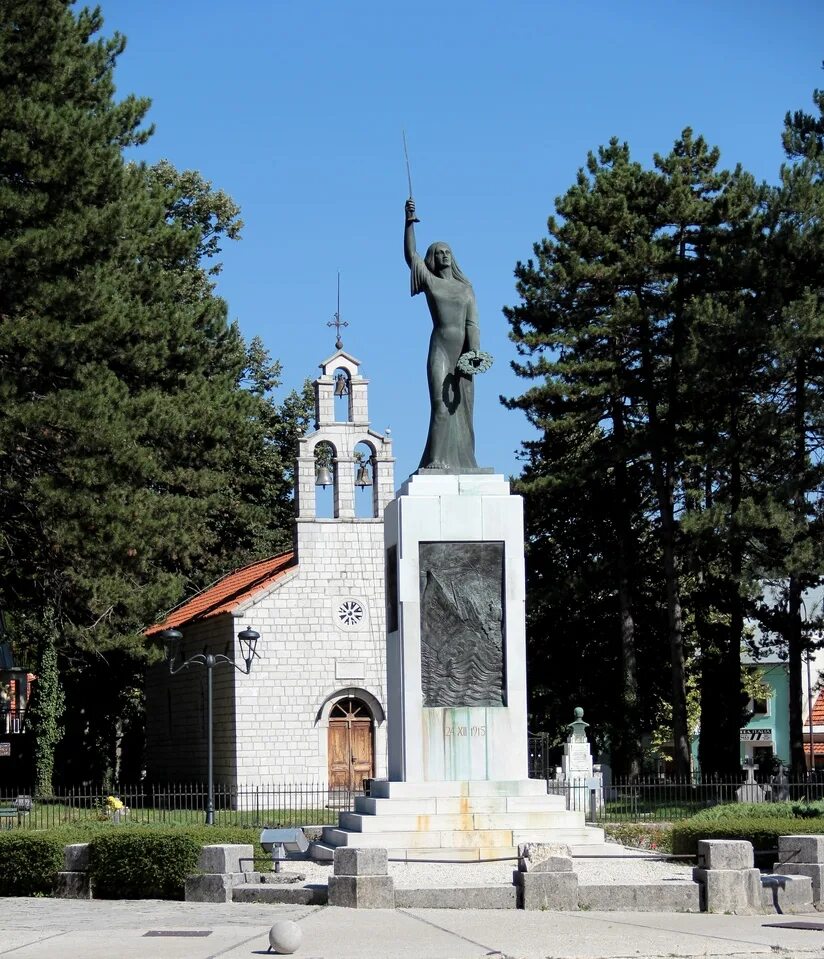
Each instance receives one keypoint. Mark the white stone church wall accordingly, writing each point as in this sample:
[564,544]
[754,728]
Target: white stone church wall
[309,658]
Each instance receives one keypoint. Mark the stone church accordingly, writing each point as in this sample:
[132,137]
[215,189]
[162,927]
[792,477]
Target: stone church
[313,707]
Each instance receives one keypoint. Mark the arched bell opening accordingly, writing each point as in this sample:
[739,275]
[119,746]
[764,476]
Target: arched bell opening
[343,396]
[365,480]
[326,480]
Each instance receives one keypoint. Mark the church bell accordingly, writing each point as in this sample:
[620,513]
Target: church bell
[342,385]
[324,477]
[363,477]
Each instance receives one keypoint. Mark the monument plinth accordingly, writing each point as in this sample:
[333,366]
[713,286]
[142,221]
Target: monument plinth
[458,786]
[456,674]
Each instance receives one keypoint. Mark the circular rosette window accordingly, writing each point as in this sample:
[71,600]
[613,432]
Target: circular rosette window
[474,361]
[349,613]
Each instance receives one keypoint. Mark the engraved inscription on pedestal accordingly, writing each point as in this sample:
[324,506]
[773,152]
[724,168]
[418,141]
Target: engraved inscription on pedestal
[462,624]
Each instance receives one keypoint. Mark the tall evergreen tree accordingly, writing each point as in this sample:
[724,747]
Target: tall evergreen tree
[619,309]
[140,448]
[577,317]
[794,553]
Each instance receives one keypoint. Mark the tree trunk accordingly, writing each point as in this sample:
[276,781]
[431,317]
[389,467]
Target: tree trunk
[626,746]
[664,488]
[794,650]
[793,627]
[730,731]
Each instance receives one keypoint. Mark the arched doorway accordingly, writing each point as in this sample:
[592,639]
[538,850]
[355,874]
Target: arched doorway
[351,754]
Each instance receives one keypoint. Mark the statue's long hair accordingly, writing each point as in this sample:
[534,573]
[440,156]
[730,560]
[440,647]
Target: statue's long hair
[429,260]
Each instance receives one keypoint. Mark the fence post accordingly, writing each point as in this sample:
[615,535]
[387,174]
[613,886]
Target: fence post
[592,805]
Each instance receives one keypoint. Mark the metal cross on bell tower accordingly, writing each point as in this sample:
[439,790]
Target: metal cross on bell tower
[336,322]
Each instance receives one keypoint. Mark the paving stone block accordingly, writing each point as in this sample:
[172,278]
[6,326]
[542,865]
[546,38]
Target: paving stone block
[544,857]
[813,870]
[663,897]
[311,895]
[546,890]
[786,894]
[360,861]
[73,885]
[476,897]
[736,891]
[362,892]
[724,854]
[551,864]
[224,857]
[76,857]
[208,887]
[801,849]
[216,887]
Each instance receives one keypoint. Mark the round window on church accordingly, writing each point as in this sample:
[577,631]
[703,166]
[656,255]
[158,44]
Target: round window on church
[350,613]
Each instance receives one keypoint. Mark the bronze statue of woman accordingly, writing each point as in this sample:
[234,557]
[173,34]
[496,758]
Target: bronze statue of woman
[450,443]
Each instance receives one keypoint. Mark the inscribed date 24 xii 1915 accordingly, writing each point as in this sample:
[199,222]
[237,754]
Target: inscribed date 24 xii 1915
[462,624]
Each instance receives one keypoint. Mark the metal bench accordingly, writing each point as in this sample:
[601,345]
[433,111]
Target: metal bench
[17,811]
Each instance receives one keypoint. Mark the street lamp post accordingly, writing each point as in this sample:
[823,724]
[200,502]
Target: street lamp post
[248,641]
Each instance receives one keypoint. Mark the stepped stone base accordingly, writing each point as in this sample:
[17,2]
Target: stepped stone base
[456,821]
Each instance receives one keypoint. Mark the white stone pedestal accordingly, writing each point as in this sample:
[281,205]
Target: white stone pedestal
[458,785]
[456,742]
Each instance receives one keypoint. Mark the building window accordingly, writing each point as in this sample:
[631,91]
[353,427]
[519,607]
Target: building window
[759,706]
[350,612]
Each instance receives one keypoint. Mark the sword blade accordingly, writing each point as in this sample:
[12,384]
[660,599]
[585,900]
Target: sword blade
[406,157]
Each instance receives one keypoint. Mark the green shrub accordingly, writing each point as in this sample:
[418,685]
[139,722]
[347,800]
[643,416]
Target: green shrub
[654,836]
[29,863]
[142,863]
[748,811]
[761,831]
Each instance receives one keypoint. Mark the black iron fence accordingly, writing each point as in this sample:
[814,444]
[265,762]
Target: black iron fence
[657,799]
[652,799]
[291,804]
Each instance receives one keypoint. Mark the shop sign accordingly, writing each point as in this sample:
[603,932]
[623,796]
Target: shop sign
[756,735]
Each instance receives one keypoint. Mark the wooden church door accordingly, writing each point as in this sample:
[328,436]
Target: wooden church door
[350,745]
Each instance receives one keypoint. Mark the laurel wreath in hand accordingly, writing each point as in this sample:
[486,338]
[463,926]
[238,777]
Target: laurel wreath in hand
[474,361]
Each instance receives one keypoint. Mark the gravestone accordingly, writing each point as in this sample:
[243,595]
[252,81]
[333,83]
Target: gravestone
[750,791]
[577,778]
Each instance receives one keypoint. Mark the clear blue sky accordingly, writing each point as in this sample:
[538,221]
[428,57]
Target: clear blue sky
[296,110]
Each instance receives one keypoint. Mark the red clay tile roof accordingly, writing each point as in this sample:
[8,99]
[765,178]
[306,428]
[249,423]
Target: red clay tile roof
[818,710]
[229,592]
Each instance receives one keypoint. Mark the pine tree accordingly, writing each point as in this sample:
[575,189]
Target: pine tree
[140,446]
[793,552]
[577,316]
[628,294]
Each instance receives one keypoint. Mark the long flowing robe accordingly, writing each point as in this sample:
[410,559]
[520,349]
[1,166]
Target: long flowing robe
[450,442]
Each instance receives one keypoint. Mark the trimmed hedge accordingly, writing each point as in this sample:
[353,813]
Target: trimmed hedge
[85,831]
[761,831]
[764,810]
[142,863]
[29,863]
[641,835]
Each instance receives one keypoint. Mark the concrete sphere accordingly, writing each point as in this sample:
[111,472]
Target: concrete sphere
[285,936]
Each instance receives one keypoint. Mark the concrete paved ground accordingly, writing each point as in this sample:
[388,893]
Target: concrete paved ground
[67,929]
